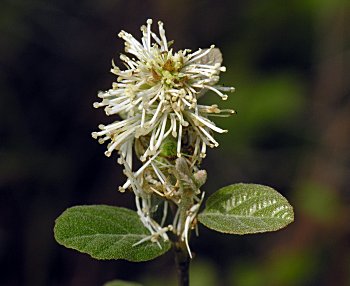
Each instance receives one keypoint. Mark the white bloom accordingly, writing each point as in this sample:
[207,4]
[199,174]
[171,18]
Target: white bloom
[156,95]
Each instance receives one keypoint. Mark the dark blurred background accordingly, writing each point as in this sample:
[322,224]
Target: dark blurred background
[290,64]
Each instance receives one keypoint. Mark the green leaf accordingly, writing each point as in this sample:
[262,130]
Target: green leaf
[121,283]
[106,232]
[246,208]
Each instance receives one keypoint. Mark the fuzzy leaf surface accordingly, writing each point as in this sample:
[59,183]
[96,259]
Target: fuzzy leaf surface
[106,232]
[246,208]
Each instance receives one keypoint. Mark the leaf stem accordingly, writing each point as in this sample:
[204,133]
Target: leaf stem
[182,261]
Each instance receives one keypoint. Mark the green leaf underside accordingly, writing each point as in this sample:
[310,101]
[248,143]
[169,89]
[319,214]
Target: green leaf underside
[246,208]
[106,232]
[121,283]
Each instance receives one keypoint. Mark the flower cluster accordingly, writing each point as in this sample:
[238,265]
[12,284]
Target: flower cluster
[160,119]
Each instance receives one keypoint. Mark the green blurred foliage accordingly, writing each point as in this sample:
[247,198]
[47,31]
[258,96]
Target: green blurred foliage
[268,105]
[319,202]
[293,268]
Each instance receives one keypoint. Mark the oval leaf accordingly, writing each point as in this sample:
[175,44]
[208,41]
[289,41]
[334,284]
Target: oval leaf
[246,208]
[121,283]
[106,232]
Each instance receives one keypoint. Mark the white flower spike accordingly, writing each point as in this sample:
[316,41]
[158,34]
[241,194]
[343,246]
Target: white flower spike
[156,95]
[156,98]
